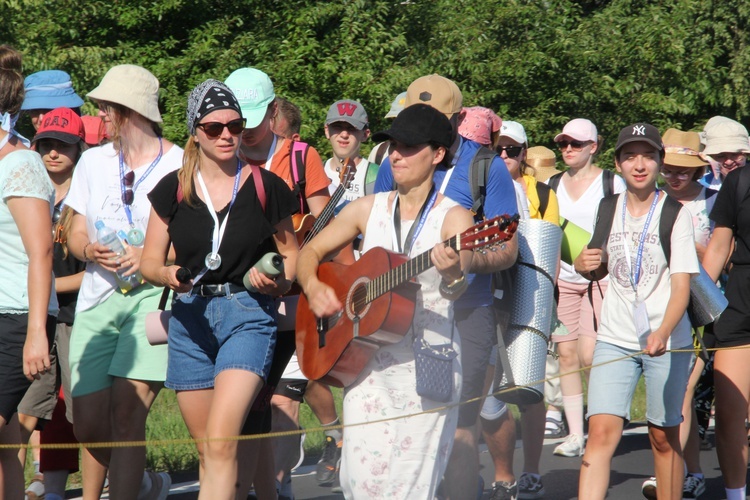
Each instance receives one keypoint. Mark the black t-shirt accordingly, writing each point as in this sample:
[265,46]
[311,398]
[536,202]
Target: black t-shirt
[734,213]
[65,266]
[248,234]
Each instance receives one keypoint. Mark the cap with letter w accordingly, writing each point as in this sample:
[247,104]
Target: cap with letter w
[349,111]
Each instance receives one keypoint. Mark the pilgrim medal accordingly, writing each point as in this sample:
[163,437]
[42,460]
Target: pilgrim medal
[135,237]
[213,261]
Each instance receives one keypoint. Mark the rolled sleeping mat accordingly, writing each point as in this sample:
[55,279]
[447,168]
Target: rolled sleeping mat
[573,240]
[706,300]
[528,331]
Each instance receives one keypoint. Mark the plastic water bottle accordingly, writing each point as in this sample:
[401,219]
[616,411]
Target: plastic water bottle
[108,237]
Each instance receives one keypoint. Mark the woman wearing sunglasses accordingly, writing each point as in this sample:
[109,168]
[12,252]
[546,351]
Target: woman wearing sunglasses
[221,337]
[115,373]
[578,190]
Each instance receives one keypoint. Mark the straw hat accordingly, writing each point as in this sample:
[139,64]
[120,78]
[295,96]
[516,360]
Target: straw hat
[682,149]
[543,161]
[131,86]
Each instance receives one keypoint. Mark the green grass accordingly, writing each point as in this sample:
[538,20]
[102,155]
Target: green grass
[165,423]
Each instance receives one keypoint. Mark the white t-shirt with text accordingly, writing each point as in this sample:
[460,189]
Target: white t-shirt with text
[654,286]
[95,193]
[356,188]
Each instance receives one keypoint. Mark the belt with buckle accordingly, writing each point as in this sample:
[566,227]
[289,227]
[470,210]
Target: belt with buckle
[220,290]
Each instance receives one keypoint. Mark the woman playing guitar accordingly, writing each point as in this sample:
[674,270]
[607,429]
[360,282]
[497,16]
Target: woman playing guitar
[411,220]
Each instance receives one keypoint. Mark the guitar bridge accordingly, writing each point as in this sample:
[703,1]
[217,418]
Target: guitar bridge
[322,328]
[323,325]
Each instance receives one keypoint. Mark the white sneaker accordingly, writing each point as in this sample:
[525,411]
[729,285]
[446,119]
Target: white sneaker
[301,451]
[649,488]
[573,446]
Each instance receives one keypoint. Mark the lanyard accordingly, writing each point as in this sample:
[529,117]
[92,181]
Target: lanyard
[454,162]
[271,152]
[218,228]
[128,212]
[421,218]
[635,274]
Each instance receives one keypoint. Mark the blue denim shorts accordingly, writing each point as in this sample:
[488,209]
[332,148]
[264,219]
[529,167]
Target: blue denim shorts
[210,334]
[612,385]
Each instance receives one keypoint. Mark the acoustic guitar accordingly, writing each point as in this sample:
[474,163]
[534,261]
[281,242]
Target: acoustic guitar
[378,297]
[307,226]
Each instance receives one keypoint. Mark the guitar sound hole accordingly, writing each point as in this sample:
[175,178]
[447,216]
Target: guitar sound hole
[358,300]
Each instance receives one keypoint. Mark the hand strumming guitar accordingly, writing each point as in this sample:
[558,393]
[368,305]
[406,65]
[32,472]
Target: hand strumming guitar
[322,299]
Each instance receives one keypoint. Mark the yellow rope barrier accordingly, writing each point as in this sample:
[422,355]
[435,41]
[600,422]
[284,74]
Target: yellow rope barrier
[172,442]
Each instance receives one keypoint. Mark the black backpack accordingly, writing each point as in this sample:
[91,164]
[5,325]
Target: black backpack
[606,214]
[479,173]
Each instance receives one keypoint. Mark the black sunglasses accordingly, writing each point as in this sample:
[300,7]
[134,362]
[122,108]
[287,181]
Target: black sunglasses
[214,129]
[511,151]
[127,181]
[575,145]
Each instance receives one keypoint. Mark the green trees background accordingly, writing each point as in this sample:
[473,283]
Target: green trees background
[541,62]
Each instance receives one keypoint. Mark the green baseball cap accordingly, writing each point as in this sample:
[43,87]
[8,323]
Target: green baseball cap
[254,91]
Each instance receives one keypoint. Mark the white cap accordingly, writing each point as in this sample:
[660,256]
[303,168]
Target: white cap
[515,131]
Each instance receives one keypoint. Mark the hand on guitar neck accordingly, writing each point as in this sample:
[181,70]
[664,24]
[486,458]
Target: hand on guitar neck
[307,226]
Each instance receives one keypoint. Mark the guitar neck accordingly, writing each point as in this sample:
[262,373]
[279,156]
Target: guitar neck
[326,214]
[403,273]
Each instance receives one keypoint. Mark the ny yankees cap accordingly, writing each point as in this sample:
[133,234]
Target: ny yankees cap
[349,111]
[639,132]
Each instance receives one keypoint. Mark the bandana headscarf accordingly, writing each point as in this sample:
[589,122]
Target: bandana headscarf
[207,97]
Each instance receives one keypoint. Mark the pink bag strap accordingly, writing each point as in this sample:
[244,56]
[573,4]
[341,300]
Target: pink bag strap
[259,189]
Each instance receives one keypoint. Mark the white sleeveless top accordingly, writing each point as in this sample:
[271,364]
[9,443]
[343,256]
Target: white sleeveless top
[433,314]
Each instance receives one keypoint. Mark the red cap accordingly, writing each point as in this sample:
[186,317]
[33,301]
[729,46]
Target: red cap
[62,124]
[96,132]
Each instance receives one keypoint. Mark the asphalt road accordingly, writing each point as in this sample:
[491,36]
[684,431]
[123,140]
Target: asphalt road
[632,464]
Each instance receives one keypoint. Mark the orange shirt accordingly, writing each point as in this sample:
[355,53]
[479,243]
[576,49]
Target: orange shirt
[315,176]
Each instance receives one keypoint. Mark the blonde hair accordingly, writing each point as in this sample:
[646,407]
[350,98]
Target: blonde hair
[119,116]
[191,160]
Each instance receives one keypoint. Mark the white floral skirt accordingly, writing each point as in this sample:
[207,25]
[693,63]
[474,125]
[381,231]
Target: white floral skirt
[400,458]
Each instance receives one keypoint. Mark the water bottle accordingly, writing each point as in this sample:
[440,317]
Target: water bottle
[108,237]
[271,264]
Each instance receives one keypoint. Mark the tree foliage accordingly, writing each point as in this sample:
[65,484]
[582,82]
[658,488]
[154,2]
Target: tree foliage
[541,62]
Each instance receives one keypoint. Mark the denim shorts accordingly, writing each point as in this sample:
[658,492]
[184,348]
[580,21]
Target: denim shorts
[612,385]
[208,335]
